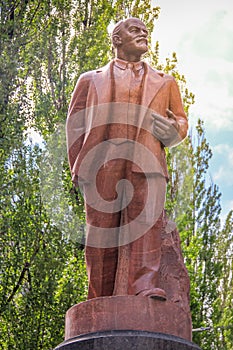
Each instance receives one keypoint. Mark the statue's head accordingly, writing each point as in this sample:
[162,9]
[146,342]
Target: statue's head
[130,37]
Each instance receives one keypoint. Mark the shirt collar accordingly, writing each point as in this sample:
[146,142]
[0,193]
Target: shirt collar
[124,64]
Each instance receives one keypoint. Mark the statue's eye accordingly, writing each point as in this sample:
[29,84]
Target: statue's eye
[134,30]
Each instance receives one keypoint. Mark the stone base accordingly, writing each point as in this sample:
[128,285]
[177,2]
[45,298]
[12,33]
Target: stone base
[128,313]
[127,340]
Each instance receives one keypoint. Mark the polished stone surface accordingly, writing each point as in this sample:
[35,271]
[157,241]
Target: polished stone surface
[127,340]
[128,312]
[117,127]
[120,118]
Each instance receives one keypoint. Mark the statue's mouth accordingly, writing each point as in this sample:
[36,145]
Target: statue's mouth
[142,40]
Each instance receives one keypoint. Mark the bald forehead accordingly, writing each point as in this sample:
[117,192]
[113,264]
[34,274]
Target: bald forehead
[134,22]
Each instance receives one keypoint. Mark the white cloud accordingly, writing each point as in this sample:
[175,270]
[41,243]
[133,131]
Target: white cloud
[201,34]
[202,37]
[226,208]
[229,205]
[181,21]
[211,81]
[216,118]
[225,171]
[223,149]
[214,37]
[207,64]
[224,174]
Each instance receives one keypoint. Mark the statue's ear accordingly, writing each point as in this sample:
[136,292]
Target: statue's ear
[116,40]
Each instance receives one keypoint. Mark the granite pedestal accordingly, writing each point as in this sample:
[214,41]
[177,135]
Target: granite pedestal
[128,312]
[127,322]
[127,340]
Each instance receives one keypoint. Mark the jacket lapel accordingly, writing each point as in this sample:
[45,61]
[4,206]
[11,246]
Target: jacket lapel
[153,83]
[102,82]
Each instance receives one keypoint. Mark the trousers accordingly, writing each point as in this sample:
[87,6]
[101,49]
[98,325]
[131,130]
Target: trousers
[123,243]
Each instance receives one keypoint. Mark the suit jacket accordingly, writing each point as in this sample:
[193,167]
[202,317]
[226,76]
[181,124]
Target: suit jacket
[91,114]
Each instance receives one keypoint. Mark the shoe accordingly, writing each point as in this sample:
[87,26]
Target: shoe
[155,293]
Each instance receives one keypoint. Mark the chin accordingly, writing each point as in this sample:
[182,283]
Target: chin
[142,47]
[143,50]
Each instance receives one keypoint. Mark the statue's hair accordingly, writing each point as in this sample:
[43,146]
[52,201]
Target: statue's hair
[117,29]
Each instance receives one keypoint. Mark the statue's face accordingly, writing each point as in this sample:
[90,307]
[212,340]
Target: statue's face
[133,37]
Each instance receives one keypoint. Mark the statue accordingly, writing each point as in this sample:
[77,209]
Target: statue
[121,117]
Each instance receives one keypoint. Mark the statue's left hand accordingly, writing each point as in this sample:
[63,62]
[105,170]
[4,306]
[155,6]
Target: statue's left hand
[165,129]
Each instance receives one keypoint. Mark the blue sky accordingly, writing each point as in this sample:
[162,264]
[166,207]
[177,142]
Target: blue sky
[201,34]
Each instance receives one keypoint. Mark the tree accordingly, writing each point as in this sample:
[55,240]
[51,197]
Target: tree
[193,202]
[222,305]
[44,46]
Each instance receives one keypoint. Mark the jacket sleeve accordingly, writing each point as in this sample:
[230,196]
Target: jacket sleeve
[75,124]
[176,106]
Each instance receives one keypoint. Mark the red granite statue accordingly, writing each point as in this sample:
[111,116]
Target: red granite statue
[121,118]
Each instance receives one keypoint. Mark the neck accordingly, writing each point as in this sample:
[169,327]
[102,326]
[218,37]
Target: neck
[128,57]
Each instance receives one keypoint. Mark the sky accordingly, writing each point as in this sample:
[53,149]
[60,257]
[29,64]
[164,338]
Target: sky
[201,34]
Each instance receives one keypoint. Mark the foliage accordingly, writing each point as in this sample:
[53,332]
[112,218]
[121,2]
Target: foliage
[193,201]
[45,46]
